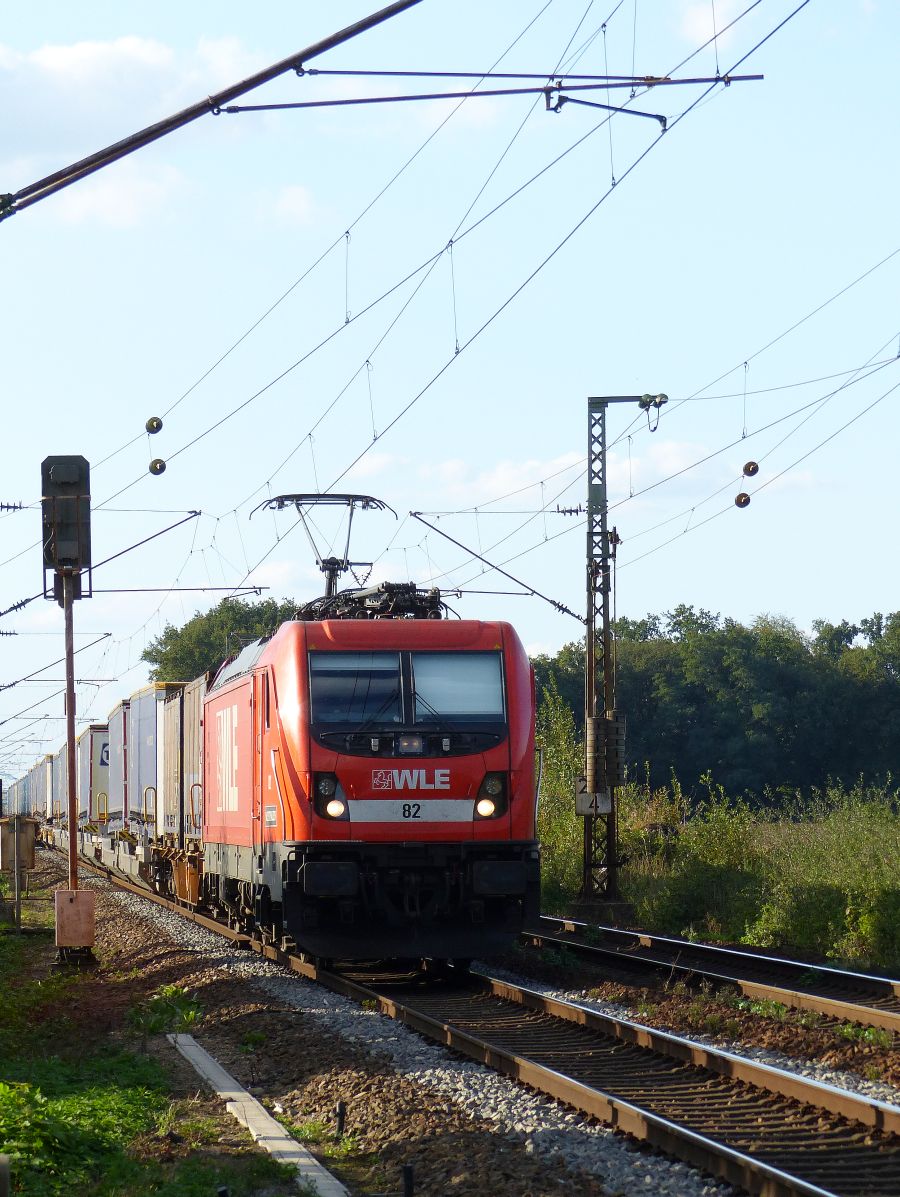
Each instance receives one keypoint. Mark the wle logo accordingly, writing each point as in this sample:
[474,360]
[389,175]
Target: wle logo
[410,779]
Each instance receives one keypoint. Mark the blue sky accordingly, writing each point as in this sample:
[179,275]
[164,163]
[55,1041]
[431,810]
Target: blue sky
[725,269]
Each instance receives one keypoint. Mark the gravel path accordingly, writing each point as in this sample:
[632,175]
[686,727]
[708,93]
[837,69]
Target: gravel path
[460,1125]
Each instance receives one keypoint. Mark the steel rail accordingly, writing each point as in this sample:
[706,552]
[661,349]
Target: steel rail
[805,985]
[865,1135]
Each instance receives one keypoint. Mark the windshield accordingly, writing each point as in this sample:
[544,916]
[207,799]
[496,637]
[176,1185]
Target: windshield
[460,687]
[349,689]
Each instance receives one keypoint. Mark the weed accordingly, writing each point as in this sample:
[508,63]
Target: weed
[859,1034]
[170,1009]
[677,988]
[764,1007]
[319,1134]
[809,1019]
[816,873]
[250,1042]
[695,1014]
[645,1009]
[560,958]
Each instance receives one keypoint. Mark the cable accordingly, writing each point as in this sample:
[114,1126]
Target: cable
[58,661]
[537,593]
[334,245]
[769,482]
[23,602]
[817,403]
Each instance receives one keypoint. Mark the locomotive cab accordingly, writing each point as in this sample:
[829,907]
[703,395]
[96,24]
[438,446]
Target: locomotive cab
[370,787]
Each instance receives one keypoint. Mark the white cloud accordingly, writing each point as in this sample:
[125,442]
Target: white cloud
[122,198]
[696,20]
[71,99]
[295,205]
[100,63]
[224,61]
[373,465]
[281,577]
[537,648]
[453,477]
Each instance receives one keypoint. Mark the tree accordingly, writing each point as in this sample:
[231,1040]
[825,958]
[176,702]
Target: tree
[763,708]
[206,640]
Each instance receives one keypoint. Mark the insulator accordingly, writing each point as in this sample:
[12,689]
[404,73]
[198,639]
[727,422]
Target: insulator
[157,466]
[742,500]
[153,424]
[751,469]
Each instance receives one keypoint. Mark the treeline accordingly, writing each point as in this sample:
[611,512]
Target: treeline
[211,637]
[764,708]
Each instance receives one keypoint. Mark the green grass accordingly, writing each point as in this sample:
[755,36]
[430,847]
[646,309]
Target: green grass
[345,1156]
[818,873]
[81,1114]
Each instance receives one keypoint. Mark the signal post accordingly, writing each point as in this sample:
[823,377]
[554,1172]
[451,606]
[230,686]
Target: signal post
[66,538]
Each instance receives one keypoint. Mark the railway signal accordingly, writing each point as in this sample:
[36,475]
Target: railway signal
[66,539]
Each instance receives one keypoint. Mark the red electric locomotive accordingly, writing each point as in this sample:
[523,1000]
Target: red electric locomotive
[369,782]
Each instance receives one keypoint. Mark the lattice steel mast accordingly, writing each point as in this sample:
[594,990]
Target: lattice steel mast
[604,727]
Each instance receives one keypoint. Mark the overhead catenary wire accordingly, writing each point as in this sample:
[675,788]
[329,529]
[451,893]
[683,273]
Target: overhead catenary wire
[560,245]
[19,200]
[427,266]
[816,403]
[121,553]
[769,481]
[338,240]
[283,374]
[548,91]
[561,607]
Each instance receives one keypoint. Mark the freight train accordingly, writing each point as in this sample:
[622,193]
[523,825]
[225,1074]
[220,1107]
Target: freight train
[359,785]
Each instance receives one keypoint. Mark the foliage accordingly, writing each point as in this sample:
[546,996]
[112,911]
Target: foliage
[766,708]
[558,829]
[170,1009]
[206,640]
[819,875]
[62,1126]
[99,1122]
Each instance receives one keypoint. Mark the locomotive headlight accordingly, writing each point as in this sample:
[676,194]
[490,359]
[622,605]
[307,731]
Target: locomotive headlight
[329,800]
[492,800]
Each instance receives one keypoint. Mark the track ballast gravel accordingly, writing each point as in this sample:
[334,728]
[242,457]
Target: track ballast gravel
[465,1129]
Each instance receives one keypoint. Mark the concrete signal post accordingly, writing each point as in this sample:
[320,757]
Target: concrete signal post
[604,725]
[66,539]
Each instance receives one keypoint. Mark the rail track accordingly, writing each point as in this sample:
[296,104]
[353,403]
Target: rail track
[767,1131]
[836,993]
